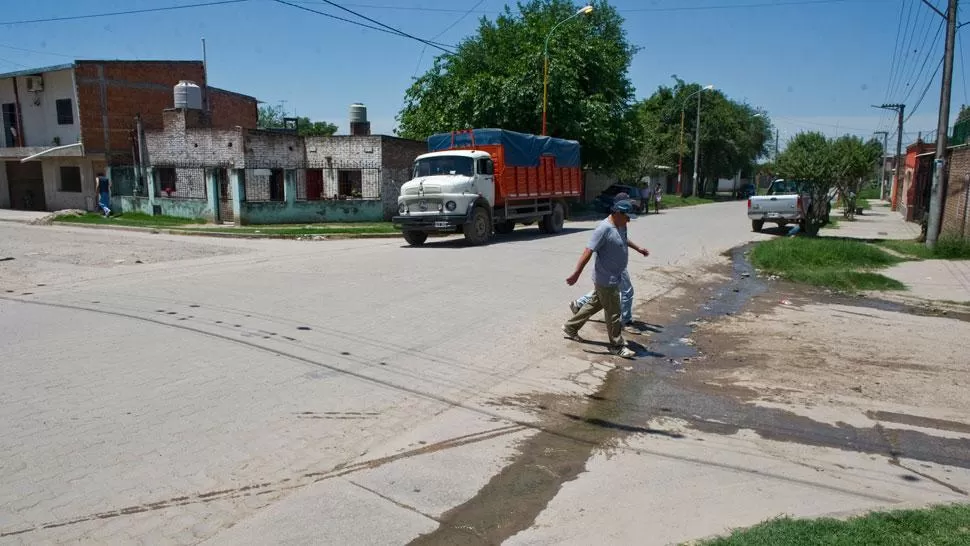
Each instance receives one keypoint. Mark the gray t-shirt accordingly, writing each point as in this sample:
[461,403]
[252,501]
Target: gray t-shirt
[612,254]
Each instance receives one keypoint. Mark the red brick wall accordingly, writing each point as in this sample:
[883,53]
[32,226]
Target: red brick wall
[230,110]
[956,194]
[131,87]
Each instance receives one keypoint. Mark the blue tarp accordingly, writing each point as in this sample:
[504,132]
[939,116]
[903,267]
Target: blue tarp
[521,150]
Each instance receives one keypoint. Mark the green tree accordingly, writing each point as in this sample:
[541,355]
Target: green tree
[733,135]
[809,158]
[495,79]
[964,114]
[273,117]
[853,161]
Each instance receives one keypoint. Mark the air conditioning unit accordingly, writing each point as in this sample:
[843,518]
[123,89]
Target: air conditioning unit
[35,83]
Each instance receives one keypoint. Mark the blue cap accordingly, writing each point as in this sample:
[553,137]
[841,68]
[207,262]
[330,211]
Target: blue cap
[626,207]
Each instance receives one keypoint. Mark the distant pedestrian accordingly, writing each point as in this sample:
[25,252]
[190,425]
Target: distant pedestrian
[610,243]
[626,289]
[104,194]
[658,195]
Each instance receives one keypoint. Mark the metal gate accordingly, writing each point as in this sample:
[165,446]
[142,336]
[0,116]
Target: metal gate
[225,197]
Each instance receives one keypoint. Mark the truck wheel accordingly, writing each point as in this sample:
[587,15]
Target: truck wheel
[479,229]
[415,238]
[505,227]
[757,225]
[552,223]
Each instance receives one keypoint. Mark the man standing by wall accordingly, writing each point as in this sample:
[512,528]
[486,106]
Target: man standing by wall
[104,194]
[609,242]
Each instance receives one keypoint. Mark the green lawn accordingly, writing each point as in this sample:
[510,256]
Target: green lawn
[296,231]
[827,261]
[947,248]
[871,192]
[674,201]
[938,526]
[129,219]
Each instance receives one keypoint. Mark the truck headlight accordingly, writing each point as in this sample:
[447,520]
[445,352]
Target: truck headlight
[403,208]
[451,205]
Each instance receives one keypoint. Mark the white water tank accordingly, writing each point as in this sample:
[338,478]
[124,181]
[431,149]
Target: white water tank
[358,113]
[188,95]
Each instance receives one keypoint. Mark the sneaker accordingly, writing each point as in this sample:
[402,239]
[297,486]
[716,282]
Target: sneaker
[573,307]
[624,352]
[631,328]
[569,335]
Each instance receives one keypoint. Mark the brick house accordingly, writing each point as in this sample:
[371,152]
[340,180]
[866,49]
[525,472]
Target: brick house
[74,120]
[956,204]
[251,176]
[913,198]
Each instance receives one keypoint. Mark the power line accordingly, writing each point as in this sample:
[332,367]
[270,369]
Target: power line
[926,59]
[743,6]
[128,12]
[435,37]
[925,90]
[895,78]
[906,76]
[51,53]
[387,29]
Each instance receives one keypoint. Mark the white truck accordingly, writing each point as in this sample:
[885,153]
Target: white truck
[787,202]
[481,181]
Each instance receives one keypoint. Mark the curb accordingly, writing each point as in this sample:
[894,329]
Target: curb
[224,235]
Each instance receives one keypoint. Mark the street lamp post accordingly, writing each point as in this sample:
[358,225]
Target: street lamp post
[545,56]
[680,161]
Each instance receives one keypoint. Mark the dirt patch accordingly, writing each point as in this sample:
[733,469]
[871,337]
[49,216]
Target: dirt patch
[817,346]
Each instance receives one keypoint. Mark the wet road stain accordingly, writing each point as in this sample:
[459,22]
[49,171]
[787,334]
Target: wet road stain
[303,328]
[917,421]
[657,388]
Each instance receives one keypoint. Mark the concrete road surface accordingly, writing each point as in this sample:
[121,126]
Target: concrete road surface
[179,390]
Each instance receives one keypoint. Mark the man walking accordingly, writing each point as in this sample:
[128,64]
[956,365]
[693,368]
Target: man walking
[104,194]
[626,289]
[610,243]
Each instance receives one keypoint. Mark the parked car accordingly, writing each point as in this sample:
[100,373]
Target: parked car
[786,202]
[604,202]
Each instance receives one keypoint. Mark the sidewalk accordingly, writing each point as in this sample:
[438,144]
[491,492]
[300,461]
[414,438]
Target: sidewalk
[877,223]
[21,216]
[940,280]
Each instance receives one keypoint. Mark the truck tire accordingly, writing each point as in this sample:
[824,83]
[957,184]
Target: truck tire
[505,227]
[757,225]
[415,238]
[552,223]
[478,231]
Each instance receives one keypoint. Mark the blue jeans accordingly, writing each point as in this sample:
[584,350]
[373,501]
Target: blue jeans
[104,202]
[626,298]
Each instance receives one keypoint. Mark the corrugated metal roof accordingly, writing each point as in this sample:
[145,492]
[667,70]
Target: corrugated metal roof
[32,71]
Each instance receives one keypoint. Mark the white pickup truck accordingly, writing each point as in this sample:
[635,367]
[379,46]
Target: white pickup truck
[786,202]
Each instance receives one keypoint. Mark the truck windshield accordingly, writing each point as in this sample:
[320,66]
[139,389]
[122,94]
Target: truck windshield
[444,165]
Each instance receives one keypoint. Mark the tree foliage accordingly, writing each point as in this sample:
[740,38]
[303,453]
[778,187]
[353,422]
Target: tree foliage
[495,79]
[273,117]
[821,164]
[733,134]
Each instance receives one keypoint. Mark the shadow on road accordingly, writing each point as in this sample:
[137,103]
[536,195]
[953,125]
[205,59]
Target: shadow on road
[525,233]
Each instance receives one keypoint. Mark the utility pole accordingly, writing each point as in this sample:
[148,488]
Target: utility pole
[882,164]
[697,144]
[938,188]
[900,109]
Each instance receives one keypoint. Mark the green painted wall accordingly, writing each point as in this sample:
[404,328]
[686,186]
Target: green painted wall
[310,212]
[178,208]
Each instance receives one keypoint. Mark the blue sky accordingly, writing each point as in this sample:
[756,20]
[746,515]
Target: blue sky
[812,65]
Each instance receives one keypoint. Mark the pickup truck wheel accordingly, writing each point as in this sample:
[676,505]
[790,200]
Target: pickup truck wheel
[479,229]
[415,238]
[757,225]
[505,227]
[553,223]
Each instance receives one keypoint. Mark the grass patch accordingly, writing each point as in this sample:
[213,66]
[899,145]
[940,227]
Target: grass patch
[941,526]
[862,203]
[947,248]
[296,231]
[675,201]
[871,192]
[823,261]
[133,219]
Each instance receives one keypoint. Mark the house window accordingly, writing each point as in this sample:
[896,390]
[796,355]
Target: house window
[71,179]
[65,112]
[166,180]
[350,183]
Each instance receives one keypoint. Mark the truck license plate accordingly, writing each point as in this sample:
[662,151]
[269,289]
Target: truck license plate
[773,215]
[441,224]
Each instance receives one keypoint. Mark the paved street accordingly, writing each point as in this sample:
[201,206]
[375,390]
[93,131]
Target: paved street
[179,390]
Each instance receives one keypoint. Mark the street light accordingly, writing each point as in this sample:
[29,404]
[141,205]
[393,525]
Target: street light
[680,161]
[545,55]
